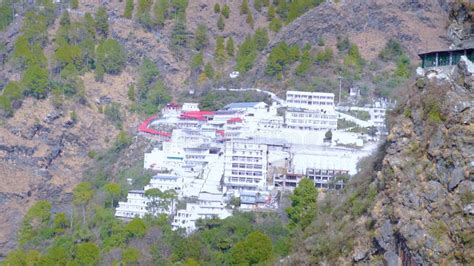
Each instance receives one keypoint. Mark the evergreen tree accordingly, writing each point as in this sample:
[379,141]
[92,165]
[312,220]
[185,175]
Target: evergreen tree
[249,19]
[113,191]
[217,8]
[90,24]
[6,14]
[219,53]
[275,25]
[128,9]
[258,5]
[271,13]
[305,63]
[220,23]
[161,11]
[244,7]
[209,70]
[200,37]
[226,11]
[102,21]
[179,34]
[35,81]
[261,38]
[74,4]
[246,55]
[303,204]
[230,46]
[144,6]
[111,55]
[197,61]
[87,254]
[82,194]
[278,59]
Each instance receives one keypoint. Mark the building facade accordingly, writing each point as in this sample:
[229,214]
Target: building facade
[310,100]
[245,165]
[304,119]
[327,178]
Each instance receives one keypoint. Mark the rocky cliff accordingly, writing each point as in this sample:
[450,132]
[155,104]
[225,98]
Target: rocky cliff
[425,211]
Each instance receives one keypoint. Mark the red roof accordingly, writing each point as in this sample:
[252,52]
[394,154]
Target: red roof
[220,132]
[234,120]
[143,127]
[196,115]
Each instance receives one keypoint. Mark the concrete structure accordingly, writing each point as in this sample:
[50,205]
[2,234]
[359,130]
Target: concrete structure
[135,206]
[302,119]
[165,182]
[208,206]
[310,100]
[445,58]
[245,166]
[188,107]
[327,178]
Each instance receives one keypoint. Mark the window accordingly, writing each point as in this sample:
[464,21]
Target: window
[443,58]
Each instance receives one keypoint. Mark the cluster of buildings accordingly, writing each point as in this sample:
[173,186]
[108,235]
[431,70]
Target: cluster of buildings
[242,156]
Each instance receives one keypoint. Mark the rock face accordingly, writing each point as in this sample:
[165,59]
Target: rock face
[461,26]
[371,23]
[428,177]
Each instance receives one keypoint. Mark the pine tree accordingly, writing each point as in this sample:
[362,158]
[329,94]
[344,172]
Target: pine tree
[219,53]
[275,25]
[246,55]
[220,23]
[249,19]
[161,11]
[226,11]
[230,46]
[102,21]
[128,9]
[217,8]
[244,7]
[200,37]
[271,13]
[209,70]
[258,5]
[261,38]
[74,4]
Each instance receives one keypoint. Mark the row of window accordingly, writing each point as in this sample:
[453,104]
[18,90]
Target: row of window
[310,102]
[247,166]
[247,152]
[245,180]
[316,122]
[245,159]
[297,96]
[247,173]
[313,115]
[326,172]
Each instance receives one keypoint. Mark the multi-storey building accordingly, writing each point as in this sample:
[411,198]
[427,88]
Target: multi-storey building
[327,178]
[135,206]
[310,111]
[165,182]
[305,119]
[209,205]
[245,166]
[310,100]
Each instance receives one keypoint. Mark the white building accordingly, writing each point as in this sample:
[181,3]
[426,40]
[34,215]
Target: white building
[188,107]
[135,206]
[310,110]
[165,182]
[209,205]
[302,119]
[245,166]
[310,100]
